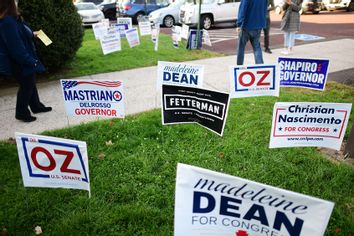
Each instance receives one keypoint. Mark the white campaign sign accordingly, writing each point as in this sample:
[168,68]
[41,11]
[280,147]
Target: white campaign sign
[307,124]
[214,204]
[132,37]
[93,98]
[111,41]
[206,38]
[256,80]
[183,74]
[99,29]
[53,162]
[125,20]
[185,31]
[145,28]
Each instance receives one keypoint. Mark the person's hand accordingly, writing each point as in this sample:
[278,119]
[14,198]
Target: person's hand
[238,30]
[35,34]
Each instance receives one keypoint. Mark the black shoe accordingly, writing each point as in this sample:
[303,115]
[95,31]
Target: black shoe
[42,109]
[26,118]
[267,50]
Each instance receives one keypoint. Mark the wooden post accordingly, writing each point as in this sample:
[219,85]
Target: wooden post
[349,147]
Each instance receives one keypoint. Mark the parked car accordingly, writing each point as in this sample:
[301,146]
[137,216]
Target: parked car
[89,13]
[138,8]
[109,9]
[212,12]
[167,16]
[96,2]
[314,6]
[331,5]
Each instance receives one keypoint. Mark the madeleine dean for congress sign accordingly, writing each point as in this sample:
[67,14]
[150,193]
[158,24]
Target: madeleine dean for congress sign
[300,124]
[305,73]
[251,81]
[53,162]
[194,105]
[175,73]
[93,98]
[214,204]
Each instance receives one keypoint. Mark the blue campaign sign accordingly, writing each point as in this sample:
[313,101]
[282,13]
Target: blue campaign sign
[303,72]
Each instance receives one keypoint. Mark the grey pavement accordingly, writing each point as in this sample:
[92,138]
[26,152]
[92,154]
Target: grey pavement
[140,86]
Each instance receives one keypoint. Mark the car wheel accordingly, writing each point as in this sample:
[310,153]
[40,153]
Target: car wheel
[168,21]
[278,10]
[206,22]
[138,16]
[111,15]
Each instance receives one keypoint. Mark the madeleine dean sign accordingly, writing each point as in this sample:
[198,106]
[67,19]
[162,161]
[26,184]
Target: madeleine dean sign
[301,124]
[214,204]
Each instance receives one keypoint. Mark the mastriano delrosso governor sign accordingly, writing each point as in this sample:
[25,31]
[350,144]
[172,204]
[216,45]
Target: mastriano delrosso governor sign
[93,98]
[214,204]
[301,124]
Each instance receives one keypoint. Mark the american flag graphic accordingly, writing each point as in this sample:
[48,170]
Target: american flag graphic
[67,84]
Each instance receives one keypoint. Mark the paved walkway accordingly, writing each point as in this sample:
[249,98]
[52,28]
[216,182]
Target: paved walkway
[140,86]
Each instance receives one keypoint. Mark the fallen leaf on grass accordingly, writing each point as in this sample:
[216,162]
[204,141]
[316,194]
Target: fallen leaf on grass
[38,230]
[11,141]
[221,155]
[109,143]
[101,156]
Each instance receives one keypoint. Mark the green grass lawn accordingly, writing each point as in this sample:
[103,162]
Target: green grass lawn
[133,180]
[90,59]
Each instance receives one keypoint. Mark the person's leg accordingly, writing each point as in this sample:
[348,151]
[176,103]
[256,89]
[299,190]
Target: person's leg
[266,35]
[291,40]
[257,50]
[242,41]
[24,95]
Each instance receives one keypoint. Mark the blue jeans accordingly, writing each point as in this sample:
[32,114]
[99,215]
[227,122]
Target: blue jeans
[253,36]
[289,39]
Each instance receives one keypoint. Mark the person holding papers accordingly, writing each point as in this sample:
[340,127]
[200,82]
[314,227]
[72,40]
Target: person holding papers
[18,58]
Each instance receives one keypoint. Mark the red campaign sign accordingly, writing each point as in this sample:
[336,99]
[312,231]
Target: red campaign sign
[53,162]
[253,81]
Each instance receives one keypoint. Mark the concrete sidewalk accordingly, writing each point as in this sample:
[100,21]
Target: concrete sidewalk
[140,86]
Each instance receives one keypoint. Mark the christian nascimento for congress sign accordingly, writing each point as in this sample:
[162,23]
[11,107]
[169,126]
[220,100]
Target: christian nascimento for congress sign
[214,204]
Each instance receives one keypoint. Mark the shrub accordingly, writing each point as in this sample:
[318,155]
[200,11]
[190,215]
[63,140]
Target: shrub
[61,22]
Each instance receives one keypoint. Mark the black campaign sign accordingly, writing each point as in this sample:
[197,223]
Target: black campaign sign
[193,105]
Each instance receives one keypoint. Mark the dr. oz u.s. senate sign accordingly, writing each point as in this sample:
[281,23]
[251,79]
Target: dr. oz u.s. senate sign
[301,124]
[93,98]
[251,81]
[214,204]
[53,162]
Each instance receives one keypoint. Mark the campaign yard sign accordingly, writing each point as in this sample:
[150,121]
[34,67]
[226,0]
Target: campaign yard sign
[111,42]
[185,32]
[53,162]
[93,98]
[132,37]
[301,72]
[193,105]
[214,204]
[301,124]
[125,20]
[99,29]
[176,73]
[144,27]
[256,80]
[121,28]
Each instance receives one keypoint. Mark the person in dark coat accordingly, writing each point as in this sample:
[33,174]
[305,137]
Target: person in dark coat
[290,23]
[267,28]
[18,58]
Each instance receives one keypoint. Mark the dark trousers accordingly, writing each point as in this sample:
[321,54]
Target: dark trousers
[266,33]
[27,96]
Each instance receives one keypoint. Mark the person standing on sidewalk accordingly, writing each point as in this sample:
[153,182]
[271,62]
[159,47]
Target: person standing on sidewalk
[267,28]
[290,23]
[250,22]
[18,59]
